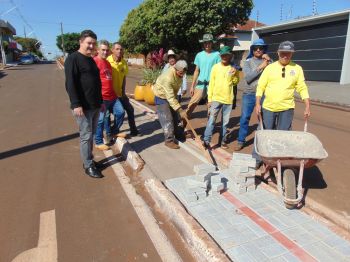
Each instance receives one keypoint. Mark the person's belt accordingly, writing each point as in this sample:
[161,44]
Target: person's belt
[205,83]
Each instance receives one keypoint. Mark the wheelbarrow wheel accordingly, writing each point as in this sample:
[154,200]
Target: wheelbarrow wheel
[289,187]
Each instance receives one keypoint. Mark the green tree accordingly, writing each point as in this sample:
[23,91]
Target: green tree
[71,42]
[30,45]
[179,24]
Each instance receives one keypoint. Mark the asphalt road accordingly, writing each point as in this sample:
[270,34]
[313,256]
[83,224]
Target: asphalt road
[45,198]
[327,183]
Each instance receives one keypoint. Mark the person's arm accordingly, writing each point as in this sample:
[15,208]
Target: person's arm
[71,74]
[184,85]
[250,74]
[123,86]
[211,86]
[194,80]
[302,89]
[170,96]
[260,91]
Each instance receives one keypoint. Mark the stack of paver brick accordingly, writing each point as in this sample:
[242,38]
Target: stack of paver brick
[239,177]
[241,173]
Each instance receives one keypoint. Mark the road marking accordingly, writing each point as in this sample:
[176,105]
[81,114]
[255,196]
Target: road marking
[161,243]
[266,226]
[46,251]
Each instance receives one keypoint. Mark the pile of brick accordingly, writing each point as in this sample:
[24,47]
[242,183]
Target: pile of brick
[241,173]
[239,177]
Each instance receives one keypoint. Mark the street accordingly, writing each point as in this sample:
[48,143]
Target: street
[44,190]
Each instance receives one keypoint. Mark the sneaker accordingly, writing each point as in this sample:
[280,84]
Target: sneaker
[121,135]
[171,144]
[239,146]
[224,145]
[135,133]
[102,147]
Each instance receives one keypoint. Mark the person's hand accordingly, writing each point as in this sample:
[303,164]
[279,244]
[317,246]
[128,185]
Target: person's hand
[182,113]
[307,112]
[258,109]
[78,111]
[103,107]
[192,91]
[266,57]
[232,70]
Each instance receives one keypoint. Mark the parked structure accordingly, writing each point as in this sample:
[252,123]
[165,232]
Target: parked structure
[9,47]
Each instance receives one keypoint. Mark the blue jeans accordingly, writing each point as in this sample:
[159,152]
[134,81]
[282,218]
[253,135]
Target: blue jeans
[214,111]
[248,104]
[87,127]
[278,120]
[117,109]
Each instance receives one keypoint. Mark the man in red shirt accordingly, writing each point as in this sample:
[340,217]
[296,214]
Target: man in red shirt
[110,99]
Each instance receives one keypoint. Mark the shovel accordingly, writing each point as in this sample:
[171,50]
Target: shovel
[207,153]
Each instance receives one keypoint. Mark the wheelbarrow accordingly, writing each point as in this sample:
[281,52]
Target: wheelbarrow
[293,151]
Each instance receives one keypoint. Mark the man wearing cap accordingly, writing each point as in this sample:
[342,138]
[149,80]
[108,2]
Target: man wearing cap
[278,83]
[223,78]
[204,62]
[170,57]
[168,108]
[257,61]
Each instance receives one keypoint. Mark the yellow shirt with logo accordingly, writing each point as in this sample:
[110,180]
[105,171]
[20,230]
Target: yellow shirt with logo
[279,90]
[221,84]
[119,71]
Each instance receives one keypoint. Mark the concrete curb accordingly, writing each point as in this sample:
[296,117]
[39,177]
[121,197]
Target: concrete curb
[224,158]
[200,243]
[132,158]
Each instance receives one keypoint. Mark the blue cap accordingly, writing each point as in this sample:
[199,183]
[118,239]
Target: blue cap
[257,42]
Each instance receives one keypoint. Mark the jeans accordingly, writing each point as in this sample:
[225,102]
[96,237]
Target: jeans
[248,104]
[169,120]
[278,120]
[130,112]
[214,111]
[87,127]
[117,109]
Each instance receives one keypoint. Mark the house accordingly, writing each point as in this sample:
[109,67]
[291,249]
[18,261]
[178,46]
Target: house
[322,44]
[10,49]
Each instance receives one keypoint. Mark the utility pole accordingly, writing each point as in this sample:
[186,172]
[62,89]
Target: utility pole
[25,34]
[314,7]
[62,42]
[281,15]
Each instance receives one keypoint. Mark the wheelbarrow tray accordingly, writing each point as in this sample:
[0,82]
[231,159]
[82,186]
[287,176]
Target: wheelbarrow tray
[289,147]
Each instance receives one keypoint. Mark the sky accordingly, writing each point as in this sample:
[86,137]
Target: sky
[41,18]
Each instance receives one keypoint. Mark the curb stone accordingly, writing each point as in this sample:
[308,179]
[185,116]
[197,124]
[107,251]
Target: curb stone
[133,159]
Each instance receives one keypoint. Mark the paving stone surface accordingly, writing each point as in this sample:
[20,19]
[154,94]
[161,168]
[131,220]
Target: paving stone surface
[244,239]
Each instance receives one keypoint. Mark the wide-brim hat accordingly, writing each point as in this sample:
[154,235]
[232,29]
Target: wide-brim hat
[207,38]
[225,50]
[170,53]
[286,46]
[257,42]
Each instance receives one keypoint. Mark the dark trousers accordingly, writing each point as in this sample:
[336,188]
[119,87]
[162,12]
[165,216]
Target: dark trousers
[129,109]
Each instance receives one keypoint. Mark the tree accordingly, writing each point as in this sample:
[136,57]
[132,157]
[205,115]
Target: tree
[71,42]
[30,45]
[167,23]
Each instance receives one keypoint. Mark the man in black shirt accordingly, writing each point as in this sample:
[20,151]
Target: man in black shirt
[83,86]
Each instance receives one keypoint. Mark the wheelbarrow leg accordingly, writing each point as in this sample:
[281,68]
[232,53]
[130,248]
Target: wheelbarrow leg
[278,175]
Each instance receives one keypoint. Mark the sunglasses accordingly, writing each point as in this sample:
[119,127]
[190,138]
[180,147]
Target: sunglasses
[283,72]
[256,48]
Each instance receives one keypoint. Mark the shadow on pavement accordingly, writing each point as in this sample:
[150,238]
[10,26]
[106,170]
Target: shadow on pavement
[28,148]
[313,178]
[2,74]
[109,161]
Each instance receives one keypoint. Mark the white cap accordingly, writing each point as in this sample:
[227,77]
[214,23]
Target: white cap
[181,65]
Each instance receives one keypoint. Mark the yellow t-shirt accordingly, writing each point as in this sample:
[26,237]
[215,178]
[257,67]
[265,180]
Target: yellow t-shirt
[119,72]
[278,90]
[221,84]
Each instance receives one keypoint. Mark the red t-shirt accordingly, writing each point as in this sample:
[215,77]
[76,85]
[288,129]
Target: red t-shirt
[106,79]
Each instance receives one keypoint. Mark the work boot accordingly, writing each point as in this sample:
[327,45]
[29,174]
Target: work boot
[239,146]
[102,147]
[171,144]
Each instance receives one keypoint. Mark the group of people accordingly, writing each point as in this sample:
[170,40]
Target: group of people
[96,88]
[268,87]
[95,83]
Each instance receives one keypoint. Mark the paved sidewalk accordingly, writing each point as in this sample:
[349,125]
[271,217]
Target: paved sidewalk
[254,226]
